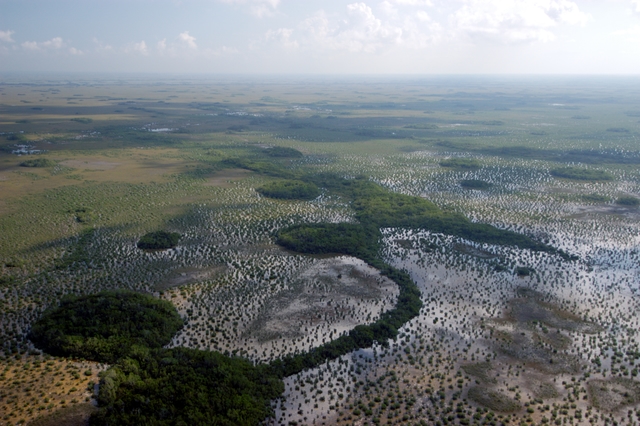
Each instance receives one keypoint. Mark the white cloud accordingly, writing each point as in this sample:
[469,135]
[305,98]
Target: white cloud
[635,6]
[54,43]
[282,36]
[516,20]
[140,48]
[162,45]
[75,51]
[423,16]
[630,34]
[359,30]
[5,36]
[102,47]
[414,2]
[30,45]
[259,8]
[182,44]
[188,40]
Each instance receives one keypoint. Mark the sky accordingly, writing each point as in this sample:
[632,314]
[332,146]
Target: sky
[412,37]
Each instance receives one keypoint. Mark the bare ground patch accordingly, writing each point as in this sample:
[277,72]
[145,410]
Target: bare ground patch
[338,293]
[613,394]
[186,276]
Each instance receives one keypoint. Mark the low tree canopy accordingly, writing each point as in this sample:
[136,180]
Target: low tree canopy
[105,326]
[290,190]
[159,240]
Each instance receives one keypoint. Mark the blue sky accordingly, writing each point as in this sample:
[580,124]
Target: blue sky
[321,37]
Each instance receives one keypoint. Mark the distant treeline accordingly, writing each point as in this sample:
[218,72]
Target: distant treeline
[586,156]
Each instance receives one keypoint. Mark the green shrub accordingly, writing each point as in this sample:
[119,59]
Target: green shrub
[183,386]
[38,162]
[159,240]
[628,201]
[577,173]
[290,190]
[475,184]
[82,120]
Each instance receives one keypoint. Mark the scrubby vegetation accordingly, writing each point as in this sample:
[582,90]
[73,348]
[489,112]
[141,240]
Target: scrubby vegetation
[628,201]
[84,214]
[595,198]
[83,120]
[159,240]
[283,152]
[475,184]
[290,190]
[461,164]
[105,326]
[38,162]
[578,173]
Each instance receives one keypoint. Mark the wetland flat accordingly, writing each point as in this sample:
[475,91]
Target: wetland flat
[505,334]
